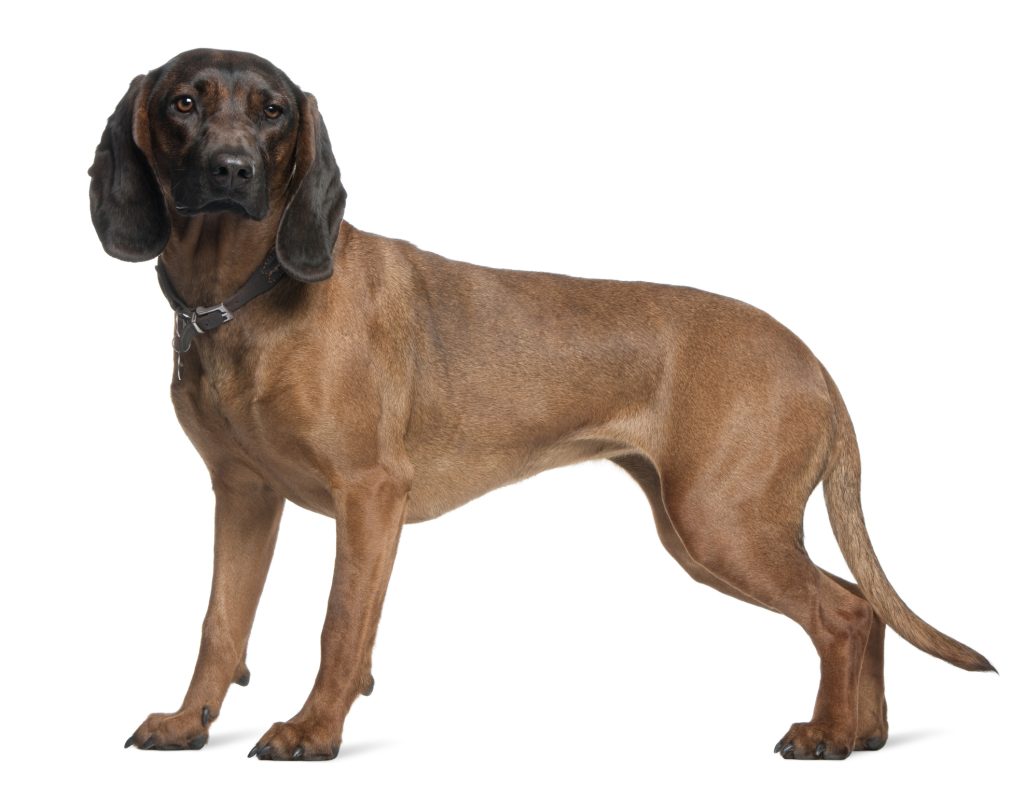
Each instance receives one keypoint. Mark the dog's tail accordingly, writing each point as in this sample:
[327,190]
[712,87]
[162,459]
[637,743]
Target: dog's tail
[842,498]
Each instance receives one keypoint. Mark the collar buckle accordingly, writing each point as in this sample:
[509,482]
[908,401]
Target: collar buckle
[222,311]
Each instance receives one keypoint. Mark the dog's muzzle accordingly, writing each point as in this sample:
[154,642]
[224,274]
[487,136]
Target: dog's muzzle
[227,180]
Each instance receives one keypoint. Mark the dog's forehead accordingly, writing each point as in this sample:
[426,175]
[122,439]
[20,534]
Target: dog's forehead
[224,68]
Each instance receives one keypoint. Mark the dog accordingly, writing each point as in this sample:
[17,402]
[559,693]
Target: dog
[379,384]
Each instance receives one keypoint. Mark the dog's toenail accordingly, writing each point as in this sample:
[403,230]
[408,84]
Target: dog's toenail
[778,747]
[206,716]
[149,743]
[253,752]
[787,752]
[819,750]
[130,742]
[297,754]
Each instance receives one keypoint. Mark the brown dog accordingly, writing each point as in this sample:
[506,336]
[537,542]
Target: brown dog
[405,385]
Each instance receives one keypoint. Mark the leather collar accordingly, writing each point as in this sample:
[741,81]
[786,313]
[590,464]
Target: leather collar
[190,321]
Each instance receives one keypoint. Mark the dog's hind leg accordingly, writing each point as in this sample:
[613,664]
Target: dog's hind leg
[246,522]
[760,555]
[835,627]
[733,493]
[645,474]
[872,721]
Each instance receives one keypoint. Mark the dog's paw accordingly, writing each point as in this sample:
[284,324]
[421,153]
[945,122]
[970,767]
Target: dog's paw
[814,742]
[295,740]
[186,729]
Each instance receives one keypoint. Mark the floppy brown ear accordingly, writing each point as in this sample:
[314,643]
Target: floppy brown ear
[311,220]
[128,211]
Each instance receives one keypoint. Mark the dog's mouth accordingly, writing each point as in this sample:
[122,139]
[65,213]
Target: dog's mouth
[220,206]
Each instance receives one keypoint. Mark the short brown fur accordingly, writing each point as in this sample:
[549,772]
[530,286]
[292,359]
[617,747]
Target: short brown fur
[406,384]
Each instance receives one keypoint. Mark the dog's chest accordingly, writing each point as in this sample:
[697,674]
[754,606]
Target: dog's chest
[237,414]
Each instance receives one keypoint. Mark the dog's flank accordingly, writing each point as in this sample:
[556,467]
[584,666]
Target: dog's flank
[406,384]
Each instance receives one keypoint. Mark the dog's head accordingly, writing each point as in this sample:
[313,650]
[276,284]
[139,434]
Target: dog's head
[217,131]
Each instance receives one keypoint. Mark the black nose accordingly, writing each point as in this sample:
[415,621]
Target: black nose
[230,171]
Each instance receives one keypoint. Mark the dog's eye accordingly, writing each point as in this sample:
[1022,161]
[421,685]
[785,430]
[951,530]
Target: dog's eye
[273,111]
[184,104]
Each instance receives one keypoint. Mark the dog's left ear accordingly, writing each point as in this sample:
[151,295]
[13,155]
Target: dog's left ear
[128,210]
[312,217]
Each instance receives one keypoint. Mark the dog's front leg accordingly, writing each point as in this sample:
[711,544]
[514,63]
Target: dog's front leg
[246,522]
[370,509]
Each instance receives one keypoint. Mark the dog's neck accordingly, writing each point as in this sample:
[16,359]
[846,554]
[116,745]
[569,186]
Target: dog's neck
[209,256]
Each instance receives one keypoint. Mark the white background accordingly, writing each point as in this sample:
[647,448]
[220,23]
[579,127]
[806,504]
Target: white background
[855,169]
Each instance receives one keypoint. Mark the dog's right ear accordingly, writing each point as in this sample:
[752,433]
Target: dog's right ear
[128,210]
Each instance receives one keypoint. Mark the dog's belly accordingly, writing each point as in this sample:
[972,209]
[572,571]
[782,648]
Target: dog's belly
[447,481]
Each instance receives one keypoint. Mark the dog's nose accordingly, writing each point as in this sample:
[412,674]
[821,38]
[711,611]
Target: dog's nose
[230,171]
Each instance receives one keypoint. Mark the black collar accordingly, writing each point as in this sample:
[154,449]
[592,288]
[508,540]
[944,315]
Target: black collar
[191,321]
